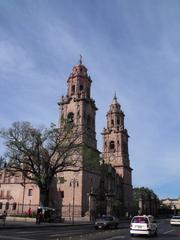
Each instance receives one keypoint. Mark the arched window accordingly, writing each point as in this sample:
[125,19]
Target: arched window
[88,91]
[7,206]
[81,87]
[88,121]
[111,145]
[14,206]
[70,117]
[112,123]
[72,89]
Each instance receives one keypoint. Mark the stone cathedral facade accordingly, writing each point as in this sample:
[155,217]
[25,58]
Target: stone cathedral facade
[79,193]
[115,150]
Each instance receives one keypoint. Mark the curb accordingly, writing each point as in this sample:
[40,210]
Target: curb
[13,225]
[42,225]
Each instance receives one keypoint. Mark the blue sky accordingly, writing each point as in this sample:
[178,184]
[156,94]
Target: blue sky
[131,47]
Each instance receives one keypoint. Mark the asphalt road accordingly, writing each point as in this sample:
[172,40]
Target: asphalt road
[86,232]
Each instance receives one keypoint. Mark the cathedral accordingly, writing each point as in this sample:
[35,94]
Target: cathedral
[103,187]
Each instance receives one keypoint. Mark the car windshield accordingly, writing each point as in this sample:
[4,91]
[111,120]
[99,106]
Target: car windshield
[139,220]
[176,217]
[107,218]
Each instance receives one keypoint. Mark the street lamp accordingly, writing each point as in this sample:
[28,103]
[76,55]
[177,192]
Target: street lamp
[24,185]
[73,183]
[109,197]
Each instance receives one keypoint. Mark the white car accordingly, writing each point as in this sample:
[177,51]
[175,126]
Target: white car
[175,220]
[143,225]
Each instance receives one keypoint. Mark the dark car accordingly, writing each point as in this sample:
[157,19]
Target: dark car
[46,214]
[106,222]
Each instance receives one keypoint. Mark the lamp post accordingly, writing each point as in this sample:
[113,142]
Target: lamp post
[73,183]
[23,184]
[109,197]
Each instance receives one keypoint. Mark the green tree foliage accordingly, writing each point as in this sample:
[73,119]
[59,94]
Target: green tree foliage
[91,158]
[142,193]
[41,153]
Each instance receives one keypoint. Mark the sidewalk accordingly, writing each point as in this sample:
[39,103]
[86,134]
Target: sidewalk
[12,224]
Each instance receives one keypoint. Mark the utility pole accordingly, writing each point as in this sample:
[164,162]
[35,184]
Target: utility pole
[73,183]
[23,184]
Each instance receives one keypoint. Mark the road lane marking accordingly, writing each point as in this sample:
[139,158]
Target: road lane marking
[168,231]
[116,237]
[31,232]
[14,238]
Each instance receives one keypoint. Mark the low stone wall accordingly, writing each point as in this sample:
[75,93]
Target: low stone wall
[20,219]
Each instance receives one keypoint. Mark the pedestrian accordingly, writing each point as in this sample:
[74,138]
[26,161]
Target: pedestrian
[29,212]
[4,215]
[39,216]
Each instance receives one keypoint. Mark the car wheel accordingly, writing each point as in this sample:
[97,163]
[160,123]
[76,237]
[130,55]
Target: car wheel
[116,226]
[149,235]
[132,235]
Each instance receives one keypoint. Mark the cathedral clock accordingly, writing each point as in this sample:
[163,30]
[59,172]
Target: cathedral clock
[112,157]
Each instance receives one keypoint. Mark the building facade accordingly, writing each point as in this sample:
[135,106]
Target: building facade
[78,193]
[115,150]
[80,109]
[172,203]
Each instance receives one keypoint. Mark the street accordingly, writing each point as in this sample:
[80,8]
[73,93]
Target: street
[86,232]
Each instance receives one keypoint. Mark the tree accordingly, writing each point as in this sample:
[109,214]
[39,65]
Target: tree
[2,162]
[146,196]
[41,153]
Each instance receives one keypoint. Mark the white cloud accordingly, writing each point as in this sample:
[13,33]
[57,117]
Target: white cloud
[13,58]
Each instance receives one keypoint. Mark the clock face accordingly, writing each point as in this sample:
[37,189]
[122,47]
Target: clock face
[111,158]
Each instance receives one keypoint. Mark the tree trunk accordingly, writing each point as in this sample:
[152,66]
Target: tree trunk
[44,197]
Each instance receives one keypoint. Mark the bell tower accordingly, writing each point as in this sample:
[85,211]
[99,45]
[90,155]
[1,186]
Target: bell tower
[78,106]
[115,149]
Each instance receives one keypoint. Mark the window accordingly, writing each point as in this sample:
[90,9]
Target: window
[72,89]
[30,192]
[70,117]
[88,121]
[112,123]
[1,204]
[125,148]
[111,145]
[8,194]
[81,87]
[88,92]
[140,220]
[62,194]
[7,206]
[14,206]
[2,193]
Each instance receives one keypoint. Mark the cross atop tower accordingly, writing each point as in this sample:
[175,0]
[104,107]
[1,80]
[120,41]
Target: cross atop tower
[80,60]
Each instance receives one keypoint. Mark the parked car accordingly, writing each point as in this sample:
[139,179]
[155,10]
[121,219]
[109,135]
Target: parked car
[175,220]
[143,225]
[106,222]
[46,214]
